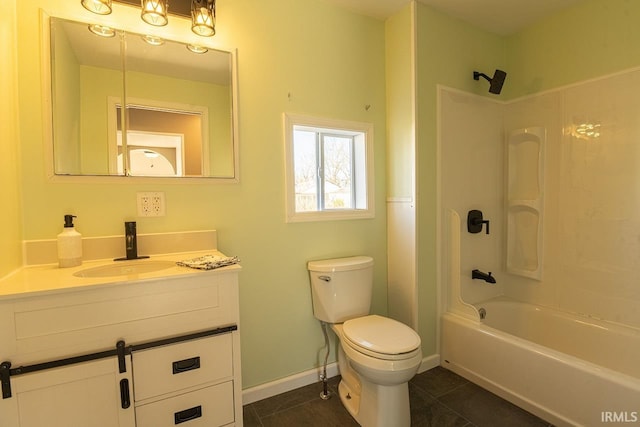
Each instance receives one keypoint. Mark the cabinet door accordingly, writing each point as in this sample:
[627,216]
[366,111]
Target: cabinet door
[82,395]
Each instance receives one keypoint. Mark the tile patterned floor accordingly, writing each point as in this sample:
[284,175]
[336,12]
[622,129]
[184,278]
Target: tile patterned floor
[438,398]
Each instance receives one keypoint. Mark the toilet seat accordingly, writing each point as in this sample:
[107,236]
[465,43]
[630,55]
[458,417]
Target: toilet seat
[381,337]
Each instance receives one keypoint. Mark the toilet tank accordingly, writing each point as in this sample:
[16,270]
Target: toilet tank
[341,288]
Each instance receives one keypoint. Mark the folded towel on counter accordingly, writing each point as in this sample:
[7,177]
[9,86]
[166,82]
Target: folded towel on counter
[209,262]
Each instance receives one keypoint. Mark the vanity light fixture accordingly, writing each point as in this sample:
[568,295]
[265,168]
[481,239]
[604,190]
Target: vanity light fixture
[197,49]
[203,17]
[154,12]
[102,30]
[153,40]
[101,7]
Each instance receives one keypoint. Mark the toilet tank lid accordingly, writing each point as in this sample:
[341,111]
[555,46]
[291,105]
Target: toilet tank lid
[340,264]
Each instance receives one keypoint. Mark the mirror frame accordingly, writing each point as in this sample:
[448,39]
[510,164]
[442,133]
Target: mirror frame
[47,119]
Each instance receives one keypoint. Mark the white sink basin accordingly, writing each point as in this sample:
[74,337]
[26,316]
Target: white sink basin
[125,268]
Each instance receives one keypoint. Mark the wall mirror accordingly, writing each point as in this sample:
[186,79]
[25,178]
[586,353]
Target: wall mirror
[127,104]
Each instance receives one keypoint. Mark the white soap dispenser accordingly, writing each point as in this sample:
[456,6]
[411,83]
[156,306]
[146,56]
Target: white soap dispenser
[69,244]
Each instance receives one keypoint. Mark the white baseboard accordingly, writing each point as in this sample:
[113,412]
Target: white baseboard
[429,362]
[292,382]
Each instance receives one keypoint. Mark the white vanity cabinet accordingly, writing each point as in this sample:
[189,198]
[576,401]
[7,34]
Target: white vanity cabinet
[178,364]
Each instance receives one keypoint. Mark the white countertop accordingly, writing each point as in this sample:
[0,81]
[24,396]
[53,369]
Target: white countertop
[46,279]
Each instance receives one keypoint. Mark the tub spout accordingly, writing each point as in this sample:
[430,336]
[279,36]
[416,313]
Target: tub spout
[487,277]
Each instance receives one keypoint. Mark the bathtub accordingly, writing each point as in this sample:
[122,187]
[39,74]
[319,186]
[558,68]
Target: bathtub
[567,369]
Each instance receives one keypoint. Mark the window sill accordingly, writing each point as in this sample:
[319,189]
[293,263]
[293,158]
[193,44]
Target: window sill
[330,215]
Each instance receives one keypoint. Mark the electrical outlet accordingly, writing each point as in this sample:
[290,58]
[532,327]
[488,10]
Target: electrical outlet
[151,204]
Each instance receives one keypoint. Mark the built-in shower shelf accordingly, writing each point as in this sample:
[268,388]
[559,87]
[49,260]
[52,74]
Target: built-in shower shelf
[534,204]
[525,184]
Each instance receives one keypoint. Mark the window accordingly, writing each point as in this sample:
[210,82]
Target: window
[329,169]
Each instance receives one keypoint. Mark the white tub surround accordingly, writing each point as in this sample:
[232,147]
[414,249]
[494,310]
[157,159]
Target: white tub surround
[550,171]
[569,370]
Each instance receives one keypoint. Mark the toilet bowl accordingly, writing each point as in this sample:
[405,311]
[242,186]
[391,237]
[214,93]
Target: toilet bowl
[388,356]
[377,355]
[374,382]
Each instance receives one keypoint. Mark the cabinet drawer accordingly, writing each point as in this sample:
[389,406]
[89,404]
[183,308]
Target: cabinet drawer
[211,406]
[170,368]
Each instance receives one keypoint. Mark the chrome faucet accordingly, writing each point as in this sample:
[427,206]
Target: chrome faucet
[130,242]
[477,274]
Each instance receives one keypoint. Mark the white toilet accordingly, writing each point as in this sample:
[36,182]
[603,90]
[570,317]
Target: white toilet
[378,355]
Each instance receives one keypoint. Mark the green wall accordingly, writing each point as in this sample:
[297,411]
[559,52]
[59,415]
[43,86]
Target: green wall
[590,39]
[297,56]
[10,212]
[448,51]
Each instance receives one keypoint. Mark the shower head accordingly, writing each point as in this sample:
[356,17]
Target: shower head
[495,83]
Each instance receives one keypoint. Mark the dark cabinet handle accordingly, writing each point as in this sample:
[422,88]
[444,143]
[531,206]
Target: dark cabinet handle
[121,351]
[186,365]
[5,379]
[187,415]
[125,399]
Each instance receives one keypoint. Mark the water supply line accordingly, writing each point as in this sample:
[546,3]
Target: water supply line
[325,394]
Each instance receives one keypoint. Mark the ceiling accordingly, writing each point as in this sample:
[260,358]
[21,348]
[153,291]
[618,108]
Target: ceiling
[502,17]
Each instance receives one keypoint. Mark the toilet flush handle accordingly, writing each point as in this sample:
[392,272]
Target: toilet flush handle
[325,278]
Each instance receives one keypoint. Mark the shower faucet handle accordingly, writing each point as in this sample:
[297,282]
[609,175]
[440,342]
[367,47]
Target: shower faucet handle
[475,221]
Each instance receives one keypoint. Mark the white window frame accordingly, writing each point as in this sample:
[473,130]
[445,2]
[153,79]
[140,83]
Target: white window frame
[364,184]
